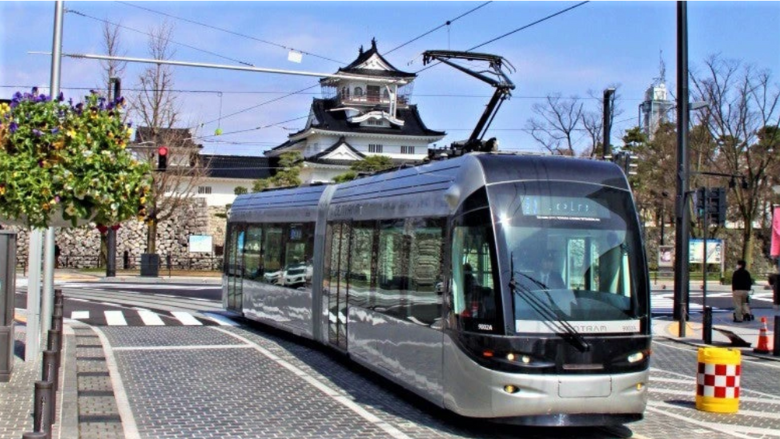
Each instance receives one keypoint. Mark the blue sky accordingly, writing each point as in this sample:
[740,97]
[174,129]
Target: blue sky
[588,48]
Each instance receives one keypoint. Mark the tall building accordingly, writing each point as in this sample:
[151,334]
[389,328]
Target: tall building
[656,106]
[364,112]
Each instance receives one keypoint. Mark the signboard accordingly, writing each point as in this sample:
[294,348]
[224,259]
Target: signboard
[665,256]
[714,251]
[200,244]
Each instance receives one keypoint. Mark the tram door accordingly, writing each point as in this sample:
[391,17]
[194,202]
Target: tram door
[338,285]
[235,268]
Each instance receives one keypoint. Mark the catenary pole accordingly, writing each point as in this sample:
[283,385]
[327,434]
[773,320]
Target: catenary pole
[682,213]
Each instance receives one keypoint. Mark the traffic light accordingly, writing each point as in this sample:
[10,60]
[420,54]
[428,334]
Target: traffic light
[716,205]
[162,158]
[701,194]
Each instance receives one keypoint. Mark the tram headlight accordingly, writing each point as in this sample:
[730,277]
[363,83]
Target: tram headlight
[511,389]
[635,357]
[525,359]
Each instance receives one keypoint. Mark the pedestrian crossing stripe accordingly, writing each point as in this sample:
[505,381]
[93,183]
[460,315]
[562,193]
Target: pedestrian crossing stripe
[150,318]
[115,318]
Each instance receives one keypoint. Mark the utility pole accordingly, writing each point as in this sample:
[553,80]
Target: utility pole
[682,213]
[606,150]
[111,232]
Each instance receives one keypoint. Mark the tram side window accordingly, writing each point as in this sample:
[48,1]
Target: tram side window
[475,300]
[272,254]
[360,271]
[331,258]
[392,269]
[299,255]
[425,262]
[253,259]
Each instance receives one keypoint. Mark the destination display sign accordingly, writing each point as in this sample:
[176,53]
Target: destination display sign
[557,206]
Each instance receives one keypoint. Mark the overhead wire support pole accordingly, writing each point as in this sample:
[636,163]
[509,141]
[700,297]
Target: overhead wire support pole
[213,66]
[682,212]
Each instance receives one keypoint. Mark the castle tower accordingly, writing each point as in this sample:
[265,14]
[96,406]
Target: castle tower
[366,112]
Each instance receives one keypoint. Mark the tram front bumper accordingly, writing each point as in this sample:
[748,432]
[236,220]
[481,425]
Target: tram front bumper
[536,395]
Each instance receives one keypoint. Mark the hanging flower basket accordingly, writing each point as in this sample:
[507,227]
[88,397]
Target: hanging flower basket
[66,165]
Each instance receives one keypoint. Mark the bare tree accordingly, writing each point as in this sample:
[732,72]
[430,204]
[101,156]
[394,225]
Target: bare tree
[155,107]
[559,121]
[743,117]
[112,44]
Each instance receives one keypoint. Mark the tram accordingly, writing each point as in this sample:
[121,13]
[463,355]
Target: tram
[499,286]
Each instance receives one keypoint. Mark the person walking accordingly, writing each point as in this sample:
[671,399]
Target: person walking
[741,283]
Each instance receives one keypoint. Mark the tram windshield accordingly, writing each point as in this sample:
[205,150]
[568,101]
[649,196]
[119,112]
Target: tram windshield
[573,251]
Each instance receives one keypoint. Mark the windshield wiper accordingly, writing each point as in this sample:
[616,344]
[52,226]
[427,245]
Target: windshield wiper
[549,311]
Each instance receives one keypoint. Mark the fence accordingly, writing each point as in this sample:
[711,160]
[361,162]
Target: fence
[127,262]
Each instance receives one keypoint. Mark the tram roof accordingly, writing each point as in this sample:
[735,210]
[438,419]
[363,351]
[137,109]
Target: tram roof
[433,189]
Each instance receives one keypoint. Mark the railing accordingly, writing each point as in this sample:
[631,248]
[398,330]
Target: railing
[370,99]
[167,262]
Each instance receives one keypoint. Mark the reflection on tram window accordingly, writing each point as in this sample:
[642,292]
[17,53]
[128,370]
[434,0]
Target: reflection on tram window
[360,279]
[272,254]
[473,292]
[425,262]
[298,256]
[392,269]
[253,259]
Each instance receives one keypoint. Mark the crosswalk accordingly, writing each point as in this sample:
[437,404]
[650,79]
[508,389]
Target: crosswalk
[663,303]
[145,317]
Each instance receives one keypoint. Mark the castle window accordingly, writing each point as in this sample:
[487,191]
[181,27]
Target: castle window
[407,149]
[372,147]
[204,190]
[385,94]
[358,91]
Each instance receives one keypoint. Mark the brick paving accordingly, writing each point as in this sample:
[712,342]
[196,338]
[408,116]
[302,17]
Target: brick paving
[16,396]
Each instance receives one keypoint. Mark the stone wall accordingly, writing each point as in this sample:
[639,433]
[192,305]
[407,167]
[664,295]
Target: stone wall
[80,247]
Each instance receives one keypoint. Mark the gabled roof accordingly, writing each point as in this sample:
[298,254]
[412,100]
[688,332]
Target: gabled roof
[357,66]
[176,137]
[323,157]
[236,166]
[337,121]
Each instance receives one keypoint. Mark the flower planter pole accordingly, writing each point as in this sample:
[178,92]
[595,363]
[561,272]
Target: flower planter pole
[35,326]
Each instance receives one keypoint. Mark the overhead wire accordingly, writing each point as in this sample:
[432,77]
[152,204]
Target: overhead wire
[81,14]
[447,23]
[229,31]
[315,85]
[417,95]
[562,11]
[251,129]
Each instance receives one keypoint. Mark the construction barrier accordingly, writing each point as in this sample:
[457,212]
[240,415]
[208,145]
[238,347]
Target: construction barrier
[717,381]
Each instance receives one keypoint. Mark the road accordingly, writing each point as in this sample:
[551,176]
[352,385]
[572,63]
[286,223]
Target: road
[240,379]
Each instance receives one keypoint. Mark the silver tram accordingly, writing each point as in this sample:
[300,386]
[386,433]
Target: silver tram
[497,286]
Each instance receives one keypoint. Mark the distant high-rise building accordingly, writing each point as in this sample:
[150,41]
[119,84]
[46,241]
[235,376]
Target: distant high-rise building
[655,108]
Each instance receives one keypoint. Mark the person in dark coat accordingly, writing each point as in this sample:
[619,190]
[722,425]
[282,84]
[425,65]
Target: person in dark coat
[741,283]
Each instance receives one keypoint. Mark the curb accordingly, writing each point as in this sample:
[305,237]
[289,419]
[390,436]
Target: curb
[745,353]
[69,420]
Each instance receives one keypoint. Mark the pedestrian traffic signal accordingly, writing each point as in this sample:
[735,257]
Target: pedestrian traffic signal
[162,158]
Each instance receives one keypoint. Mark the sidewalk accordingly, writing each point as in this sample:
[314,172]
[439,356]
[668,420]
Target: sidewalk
[16,396]
[667,328]
[63,275]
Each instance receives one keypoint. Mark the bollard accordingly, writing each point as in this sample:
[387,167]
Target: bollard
[50,374]
[776,347]
[34,435]
[707,329]
[41,410]
[717,380]
[54,342]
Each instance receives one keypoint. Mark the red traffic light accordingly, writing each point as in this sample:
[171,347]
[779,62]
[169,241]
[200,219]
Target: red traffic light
[163,151]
